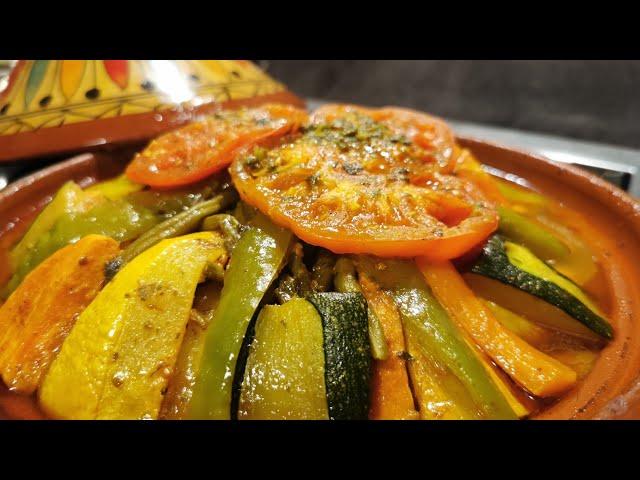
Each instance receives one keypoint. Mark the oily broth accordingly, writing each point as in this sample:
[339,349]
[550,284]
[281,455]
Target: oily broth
[19,407]
[564,347]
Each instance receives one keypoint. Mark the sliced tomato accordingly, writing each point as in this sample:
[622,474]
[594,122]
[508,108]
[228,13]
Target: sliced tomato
[354,184]
[201,148]
[429,132]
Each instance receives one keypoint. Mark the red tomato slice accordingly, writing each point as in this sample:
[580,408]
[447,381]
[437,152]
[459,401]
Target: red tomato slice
[199,149]
[429,132]
[353,184]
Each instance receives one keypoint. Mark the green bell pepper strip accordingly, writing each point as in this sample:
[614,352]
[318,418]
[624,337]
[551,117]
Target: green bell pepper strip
[255,263]
[117,219]
[521,195]
[64,202]
[436,332]
[73,213]
[522,230]
[115,188]
[345,281]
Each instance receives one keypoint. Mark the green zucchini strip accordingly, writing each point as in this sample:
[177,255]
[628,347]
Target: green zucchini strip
[284,376]
[545,283]
[346,352]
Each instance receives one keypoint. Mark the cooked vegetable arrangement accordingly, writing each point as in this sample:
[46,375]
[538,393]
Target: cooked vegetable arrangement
[266,263]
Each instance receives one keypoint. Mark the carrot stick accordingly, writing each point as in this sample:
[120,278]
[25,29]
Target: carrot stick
[38,315]
[535,371]
[391,397]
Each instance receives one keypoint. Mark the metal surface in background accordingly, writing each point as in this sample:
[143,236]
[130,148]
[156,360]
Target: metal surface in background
[619,166]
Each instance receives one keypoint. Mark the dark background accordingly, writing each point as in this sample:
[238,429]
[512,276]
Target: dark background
[588,100]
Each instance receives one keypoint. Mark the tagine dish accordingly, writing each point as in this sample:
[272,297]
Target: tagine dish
[270,263]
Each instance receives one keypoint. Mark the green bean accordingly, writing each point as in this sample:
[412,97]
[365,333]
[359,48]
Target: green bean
[226,224]
[322,272]
[180,224]
[286,290]
[345,276]
[299,270]
[296,283]
[345,281]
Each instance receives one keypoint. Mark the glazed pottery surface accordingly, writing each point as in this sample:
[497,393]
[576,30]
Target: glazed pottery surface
[67,106]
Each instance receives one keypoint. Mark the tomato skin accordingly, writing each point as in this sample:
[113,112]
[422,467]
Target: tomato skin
[358,188]
[422,129]
[434,248]
[200,149]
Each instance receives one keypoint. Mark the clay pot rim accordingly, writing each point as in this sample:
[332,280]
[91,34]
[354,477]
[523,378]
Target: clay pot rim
[585,178]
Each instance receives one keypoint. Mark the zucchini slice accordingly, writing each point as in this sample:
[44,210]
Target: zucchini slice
[515,265]
[284,378]
[347,353]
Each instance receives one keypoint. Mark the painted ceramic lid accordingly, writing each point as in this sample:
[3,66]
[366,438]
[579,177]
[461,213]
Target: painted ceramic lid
[61,106]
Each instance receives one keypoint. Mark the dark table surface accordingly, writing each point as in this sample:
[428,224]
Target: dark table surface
[589,100]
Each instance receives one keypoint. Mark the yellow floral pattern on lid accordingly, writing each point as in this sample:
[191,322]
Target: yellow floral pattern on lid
[51,93]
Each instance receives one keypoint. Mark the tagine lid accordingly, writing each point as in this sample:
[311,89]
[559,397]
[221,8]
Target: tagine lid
[63,106]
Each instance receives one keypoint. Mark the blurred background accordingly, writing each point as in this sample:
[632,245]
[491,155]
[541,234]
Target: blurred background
[586,113]
[588,100]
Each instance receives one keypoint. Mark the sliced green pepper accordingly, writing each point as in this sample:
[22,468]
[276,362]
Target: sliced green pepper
[256,261]
[117,219]
[528,232]
[436,333]
[115,188]
[64,202]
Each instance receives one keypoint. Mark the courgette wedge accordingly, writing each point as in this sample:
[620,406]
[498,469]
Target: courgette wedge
[284,377]
[347,353]
[515,265]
